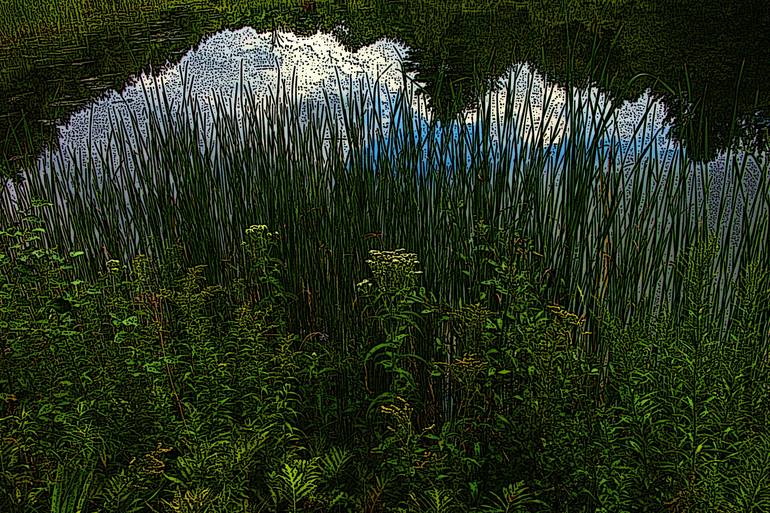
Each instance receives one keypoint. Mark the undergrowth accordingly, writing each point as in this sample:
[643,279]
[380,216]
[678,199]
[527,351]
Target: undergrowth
[148,390]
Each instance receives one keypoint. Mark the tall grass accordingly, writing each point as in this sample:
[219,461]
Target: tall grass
[611,214]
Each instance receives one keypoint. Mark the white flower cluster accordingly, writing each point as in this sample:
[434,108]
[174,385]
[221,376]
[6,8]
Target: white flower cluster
[394,271]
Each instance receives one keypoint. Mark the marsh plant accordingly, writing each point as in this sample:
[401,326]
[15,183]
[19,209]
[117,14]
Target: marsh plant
[610,207]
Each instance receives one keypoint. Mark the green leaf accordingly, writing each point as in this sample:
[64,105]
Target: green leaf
[174,479]
[376,349]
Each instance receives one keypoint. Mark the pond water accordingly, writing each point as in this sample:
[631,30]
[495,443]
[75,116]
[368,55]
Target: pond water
[319,73]
[706,60]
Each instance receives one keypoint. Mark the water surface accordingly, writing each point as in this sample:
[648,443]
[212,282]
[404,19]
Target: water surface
[705,59]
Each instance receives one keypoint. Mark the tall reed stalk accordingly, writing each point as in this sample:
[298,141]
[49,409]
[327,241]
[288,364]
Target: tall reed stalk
[610,215]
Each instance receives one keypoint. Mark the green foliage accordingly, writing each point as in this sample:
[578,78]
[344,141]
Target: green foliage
[576,338]
[146,393]
[295,482]
[515,497]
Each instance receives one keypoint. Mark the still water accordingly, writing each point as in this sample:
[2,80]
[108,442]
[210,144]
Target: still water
[317,73]
[708,61]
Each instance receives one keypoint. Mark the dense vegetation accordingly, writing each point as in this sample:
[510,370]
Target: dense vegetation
[609,207]
[153,391]
[318,368]
[448,317]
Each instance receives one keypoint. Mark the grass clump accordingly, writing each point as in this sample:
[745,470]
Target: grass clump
[610,208]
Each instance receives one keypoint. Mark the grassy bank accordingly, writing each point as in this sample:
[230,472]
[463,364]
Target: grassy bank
[152,390]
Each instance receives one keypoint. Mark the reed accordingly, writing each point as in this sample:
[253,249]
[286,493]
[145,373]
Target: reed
[610,216]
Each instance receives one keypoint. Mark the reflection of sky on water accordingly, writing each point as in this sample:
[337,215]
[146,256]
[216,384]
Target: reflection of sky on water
[323,73]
